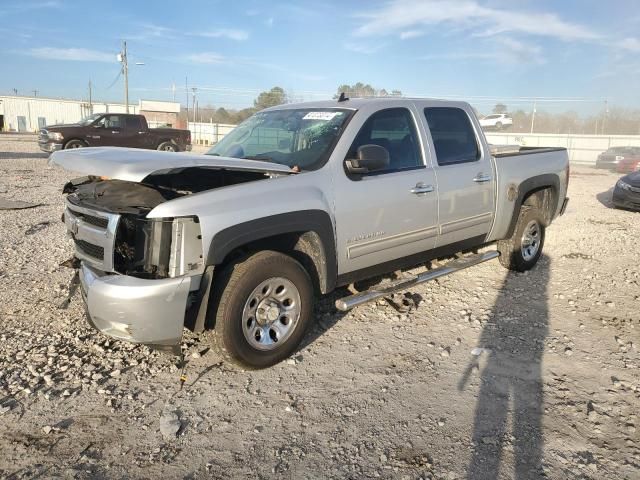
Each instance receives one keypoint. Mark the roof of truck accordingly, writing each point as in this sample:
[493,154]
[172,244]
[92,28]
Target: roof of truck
[356,103]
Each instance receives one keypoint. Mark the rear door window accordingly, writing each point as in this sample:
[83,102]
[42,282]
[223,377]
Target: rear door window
[395,130]
[133,123]
[453,136]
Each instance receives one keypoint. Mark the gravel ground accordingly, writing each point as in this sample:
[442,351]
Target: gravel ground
[491,375]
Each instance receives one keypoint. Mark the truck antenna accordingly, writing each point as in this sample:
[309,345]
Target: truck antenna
[343,97]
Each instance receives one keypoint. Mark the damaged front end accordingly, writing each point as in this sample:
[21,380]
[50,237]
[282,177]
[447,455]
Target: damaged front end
[142,279]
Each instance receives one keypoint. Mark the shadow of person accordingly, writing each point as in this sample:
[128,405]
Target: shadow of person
[511,381]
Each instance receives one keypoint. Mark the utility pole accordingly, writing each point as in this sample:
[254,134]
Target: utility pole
[186,90]
[173,89]
[195,109]
[90,99]
[35,93]
[533,116]
[194,90]
[122,58]
[604,118]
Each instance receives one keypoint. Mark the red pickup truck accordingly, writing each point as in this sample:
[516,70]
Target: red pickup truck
[113,130]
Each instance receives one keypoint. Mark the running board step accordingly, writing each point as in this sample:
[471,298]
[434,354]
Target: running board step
[347,303]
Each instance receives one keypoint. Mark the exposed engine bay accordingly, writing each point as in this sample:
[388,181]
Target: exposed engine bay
[143,247]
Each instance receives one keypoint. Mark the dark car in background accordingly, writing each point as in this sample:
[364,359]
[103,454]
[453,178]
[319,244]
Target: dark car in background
[626,193]
[615,155]
[113,130]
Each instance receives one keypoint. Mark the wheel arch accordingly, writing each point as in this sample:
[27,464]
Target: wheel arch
[66,142]
[541,191]
[306,235]
[167,140]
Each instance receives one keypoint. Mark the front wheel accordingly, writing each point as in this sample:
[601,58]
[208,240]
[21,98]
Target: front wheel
[499,126]
[522,251]
[74,144]
[264,308]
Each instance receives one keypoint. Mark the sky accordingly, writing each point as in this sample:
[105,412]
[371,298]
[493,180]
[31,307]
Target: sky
[568,54]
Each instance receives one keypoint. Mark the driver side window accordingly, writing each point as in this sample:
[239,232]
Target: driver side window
[394,130]
[110,121]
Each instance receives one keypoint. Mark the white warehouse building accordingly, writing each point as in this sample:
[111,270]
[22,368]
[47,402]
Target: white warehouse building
[29,114]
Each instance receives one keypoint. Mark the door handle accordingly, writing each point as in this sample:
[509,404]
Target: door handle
[421,188]
[114,131]
[482,177]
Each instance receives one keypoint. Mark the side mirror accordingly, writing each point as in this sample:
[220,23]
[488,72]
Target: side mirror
[369,158]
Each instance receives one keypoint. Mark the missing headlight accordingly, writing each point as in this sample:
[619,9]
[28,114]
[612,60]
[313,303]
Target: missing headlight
[158,248]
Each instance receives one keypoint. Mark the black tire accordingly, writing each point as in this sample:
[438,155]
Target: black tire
[236,291]
[514,253]
[168,147]
[499,126]
[74,144]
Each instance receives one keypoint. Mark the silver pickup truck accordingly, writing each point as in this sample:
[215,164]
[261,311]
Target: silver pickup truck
[298,200]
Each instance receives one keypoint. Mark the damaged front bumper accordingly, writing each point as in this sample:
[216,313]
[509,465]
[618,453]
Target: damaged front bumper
[137,310]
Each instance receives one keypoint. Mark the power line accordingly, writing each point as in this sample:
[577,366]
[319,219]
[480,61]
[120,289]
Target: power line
[115,80]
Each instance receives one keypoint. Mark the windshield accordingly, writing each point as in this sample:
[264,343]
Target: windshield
[300,138]
[90,119]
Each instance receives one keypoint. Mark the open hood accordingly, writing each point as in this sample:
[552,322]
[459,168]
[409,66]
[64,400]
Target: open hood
[135,164]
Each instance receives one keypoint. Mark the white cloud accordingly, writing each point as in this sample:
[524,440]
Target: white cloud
[205,57]
[150,33]
[630,44]
[515,51]
[363,48]
[400,16]
[230,33]
[461,56]
[410,34]
[72,54]
[505,51]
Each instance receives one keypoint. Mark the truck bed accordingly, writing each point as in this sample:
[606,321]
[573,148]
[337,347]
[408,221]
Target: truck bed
[531,165]
[501,151]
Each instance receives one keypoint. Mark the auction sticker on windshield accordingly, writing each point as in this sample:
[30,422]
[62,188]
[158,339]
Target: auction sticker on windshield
[321,115]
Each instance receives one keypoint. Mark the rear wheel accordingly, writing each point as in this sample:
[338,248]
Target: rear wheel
[168,147]
[264,308]
[74,144]
[499,126]
[522,251]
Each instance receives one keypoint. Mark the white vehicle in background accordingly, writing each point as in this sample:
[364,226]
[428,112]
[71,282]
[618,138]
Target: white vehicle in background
[497,121]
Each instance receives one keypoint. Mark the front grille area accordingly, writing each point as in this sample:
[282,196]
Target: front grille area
[93,232]
[94,251]
[91,219]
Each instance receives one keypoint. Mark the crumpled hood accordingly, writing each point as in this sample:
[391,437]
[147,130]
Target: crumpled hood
[134,164]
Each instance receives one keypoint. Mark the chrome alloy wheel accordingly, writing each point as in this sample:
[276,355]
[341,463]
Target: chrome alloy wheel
[530,243]
[271,313]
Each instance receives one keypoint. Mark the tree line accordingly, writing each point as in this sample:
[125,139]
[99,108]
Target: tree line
[273,97]
[613,121]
